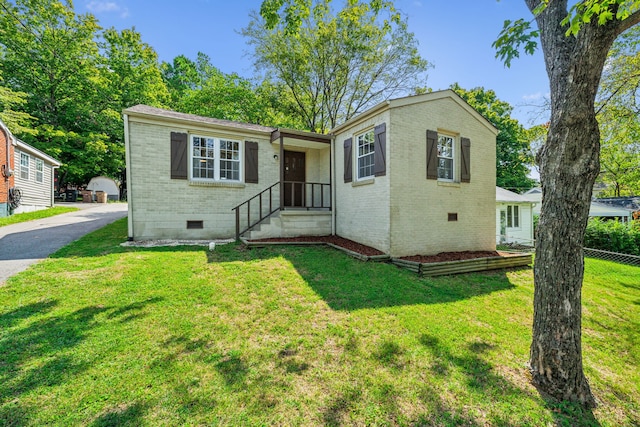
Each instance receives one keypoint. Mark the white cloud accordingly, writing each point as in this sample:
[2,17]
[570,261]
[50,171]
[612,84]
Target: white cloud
[99,6]
[417,3]
[533,97]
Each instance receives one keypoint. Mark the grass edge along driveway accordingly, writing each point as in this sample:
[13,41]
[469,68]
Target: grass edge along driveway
[103,335]
[30,216]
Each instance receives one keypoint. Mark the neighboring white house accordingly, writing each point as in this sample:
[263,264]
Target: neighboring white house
[596,209]
[34,177]
[514,217]
[414,175]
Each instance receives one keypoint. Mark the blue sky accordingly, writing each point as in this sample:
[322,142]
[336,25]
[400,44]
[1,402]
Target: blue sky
[455,36]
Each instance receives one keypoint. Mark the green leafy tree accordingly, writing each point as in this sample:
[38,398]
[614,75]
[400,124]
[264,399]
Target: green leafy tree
[132,70]
[513,152]
[198,87]
[575,42]
[50,53]
[619,117]
[335,63]
[76,80]
[10,105]
[129,75]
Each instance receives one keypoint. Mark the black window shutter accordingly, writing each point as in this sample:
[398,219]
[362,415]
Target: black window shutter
[251,162]
[432,154]
[380,150]
[179,155]
[348,161]
[465,173]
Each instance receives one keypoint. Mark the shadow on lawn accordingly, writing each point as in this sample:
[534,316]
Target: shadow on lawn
[37,349]
[482,379]
[130,415]
[345,283]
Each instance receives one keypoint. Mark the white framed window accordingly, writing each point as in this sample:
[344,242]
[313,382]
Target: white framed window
[513,216]
[446,147]
[39,170]
[215,159]
[24,166]
[365,154]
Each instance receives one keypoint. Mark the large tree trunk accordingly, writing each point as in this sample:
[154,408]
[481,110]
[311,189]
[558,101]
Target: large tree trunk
[569,165]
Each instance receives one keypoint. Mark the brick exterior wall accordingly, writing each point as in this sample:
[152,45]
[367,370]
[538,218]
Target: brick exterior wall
[403,213]
[363,208]
[159,207]
[6,183]
[419,206]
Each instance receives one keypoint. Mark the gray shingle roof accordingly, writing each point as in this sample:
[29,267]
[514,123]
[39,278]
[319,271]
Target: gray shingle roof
[159,112]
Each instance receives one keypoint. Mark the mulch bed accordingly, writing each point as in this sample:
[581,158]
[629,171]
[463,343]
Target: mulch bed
[369,251]
[453,256]
[336,240]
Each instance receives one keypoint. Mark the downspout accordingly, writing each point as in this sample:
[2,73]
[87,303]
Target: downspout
[332,177]
[53,184]
[281,172]
[7,172]
[127,153]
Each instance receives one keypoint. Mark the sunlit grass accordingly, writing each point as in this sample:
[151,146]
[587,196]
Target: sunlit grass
[104,335]
[29,216]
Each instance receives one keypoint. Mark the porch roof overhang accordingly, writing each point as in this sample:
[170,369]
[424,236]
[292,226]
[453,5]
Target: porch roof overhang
[300,139]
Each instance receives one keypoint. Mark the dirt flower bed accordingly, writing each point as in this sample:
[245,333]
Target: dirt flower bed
[453,256]
[336,240]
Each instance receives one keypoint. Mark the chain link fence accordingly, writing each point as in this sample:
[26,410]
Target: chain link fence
[612,256]
[509,244]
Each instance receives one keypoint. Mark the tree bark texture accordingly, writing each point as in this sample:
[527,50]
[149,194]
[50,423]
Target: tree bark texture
[569,165]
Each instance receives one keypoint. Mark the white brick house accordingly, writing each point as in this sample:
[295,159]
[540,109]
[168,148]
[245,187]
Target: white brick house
[414,175]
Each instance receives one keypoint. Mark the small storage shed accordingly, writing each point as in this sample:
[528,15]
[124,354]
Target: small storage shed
[105,184]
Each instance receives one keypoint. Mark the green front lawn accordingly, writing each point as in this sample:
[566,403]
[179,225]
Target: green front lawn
[101,335]
[29,216]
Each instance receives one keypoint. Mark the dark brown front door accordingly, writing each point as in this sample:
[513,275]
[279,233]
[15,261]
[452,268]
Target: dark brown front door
[294,176]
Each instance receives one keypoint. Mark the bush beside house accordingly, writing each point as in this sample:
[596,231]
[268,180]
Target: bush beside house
[613,236]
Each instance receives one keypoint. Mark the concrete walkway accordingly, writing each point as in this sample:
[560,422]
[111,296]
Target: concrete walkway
[28,242]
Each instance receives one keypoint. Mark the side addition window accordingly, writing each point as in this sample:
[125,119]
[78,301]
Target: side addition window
[445,157]
[24,166]
[366,152]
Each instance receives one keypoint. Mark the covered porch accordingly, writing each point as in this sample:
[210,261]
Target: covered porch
[305,169]
[301,201]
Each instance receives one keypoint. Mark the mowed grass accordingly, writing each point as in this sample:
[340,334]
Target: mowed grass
[29,216]
[101,335]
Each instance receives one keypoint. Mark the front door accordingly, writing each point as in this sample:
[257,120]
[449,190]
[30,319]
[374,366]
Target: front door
[294,177]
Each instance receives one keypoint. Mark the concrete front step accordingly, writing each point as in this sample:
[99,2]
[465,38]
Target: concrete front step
[293,223]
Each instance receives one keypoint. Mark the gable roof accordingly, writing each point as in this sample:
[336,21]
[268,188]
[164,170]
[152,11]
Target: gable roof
[142,110]
[416,99]
[24,147]
[503,195]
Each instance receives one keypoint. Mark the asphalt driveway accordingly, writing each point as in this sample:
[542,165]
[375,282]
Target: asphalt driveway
[28,242]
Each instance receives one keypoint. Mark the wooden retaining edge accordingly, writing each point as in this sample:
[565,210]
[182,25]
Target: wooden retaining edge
[365,258]
[464,266]
[373,258]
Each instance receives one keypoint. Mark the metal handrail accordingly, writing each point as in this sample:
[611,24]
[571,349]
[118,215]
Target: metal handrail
[273,208]
[262,217]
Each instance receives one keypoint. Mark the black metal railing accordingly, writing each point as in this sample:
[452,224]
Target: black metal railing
[273,207]
[281,195]
[306,195]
